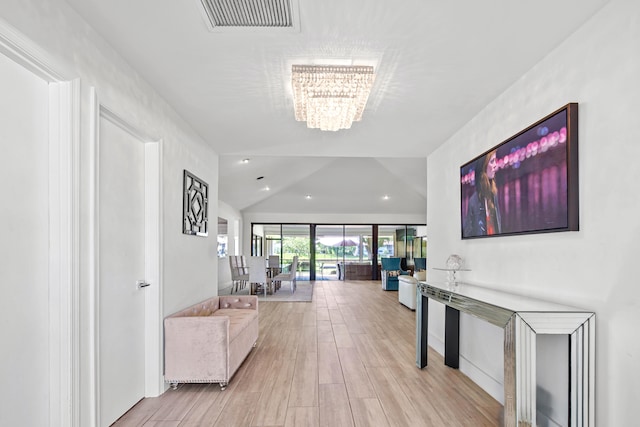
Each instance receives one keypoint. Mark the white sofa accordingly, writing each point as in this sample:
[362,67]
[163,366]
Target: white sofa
[407,288]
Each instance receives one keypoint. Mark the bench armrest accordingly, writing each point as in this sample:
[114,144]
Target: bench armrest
[194,345]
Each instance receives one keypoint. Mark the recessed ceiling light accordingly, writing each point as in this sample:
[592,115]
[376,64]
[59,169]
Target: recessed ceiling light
[267,188]
[308,196]
[385,197]
[245,160]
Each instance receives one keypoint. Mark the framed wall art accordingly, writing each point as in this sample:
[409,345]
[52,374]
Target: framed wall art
[195,205]
[526,184]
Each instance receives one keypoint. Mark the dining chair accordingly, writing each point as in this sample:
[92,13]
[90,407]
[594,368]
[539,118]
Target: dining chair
[289,276]
[274,261]
[239,273]
[273,265]
[258,275]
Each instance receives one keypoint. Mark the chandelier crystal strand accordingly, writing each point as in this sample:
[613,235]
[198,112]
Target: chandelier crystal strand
[330,97]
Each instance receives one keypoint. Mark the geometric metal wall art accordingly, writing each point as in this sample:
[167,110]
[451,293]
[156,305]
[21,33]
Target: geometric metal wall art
[195,206]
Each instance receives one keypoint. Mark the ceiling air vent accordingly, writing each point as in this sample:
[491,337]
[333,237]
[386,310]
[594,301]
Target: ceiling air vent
[228,14]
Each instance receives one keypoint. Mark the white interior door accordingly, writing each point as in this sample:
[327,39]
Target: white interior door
[121,265]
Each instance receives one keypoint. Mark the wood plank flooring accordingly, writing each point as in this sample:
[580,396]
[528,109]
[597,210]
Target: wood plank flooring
[345,359]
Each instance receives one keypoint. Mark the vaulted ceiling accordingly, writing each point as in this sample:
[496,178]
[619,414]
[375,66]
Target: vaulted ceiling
[437,65]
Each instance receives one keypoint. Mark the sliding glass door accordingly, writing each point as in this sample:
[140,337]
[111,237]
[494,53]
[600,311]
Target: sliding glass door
[343,252]
[387,247]
[273,239]
[329,251]
[358,252]
[286,241]
[296,242]
[339,252]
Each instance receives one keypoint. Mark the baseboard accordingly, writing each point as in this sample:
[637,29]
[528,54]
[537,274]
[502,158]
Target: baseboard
[436,343]
[494,388]
[543,420]
[489,384]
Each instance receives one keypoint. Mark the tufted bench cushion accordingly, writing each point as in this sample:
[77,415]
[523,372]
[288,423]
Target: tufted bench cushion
[208,341]
[239,319]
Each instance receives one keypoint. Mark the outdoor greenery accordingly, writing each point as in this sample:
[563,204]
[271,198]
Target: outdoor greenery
[300,246]
[296,246]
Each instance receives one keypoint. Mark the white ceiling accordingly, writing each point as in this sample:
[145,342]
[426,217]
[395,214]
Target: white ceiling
[438,63]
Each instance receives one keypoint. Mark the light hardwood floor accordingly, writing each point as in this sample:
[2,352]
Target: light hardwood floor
[345,359]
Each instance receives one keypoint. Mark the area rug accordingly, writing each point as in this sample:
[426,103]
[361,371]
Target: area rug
[303,293]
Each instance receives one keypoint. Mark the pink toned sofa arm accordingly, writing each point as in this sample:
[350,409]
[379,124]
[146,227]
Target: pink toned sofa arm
[199,349]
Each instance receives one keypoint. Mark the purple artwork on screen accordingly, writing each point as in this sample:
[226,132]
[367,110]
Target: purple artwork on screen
[520,186]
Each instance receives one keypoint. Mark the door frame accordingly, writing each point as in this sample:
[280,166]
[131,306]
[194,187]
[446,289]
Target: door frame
[64,223]
[154,384]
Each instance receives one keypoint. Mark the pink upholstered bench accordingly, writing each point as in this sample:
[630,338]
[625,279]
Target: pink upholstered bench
[207,342]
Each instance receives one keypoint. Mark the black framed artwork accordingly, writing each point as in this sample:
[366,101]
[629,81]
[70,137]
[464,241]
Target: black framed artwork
[526,184]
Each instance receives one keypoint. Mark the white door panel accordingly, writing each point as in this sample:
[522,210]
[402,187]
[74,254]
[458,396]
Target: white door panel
[121,264]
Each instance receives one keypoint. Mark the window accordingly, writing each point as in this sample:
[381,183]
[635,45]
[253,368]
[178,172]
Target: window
[338,251]
[223,237]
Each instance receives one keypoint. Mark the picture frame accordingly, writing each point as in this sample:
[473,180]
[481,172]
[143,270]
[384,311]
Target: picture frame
[195,202]
[527,183]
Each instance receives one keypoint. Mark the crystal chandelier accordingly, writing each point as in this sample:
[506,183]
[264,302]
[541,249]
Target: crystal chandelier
[330,97]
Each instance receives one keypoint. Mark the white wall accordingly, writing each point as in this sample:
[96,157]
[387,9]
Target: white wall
[189,264]
[24,255]
[598,67]
[232,216]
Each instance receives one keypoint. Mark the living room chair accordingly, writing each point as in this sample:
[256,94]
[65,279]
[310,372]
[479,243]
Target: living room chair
[390,271]
[407,287]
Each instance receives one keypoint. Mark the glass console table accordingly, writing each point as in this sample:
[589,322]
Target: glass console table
[522,318]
